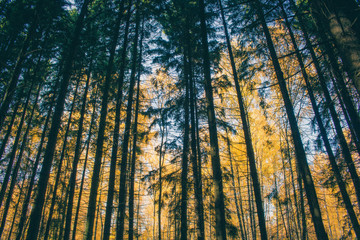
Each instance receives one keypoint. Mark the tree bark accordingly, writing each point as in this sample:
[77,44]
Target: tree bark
[220,222]
[36,213]
[299,148]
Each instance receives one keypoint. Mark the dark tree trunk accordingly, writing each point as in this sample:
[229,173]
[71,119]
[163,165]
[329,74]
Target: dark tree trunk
[114,153]
[36,213]
[343,143]
[18,163]
[59,167]
[247,134]
[100,139]
[341,20]
[14,148]
[92,122]
[214,145]
[297,141]
[133,158]
[125,143]
[77,153]
[194,149]
[322,129]
[11,87]
[184,161]
[34,171]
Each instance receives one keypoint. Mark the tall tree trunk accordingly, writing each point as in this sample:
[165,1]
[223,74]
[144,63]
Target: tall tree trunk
[234,186]
[133,160]
[214,145]
[125,143]
[34,170]
[184,161]
[92,122]
[322,129]
[14,148]
[61,160]
[114,153]
[36,213]
[100,140]
[9,128]
[77,153]
[194,157]
[297,141]
[246,128]
[343,143]
[18,163]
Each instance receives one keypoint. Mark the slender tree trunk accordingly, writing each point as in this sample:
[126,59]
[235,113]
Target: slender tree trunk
[247,134]
[92,122]
[114,153]
[214,145]
[36,213]
[345,95]
[11,87]
[77,153]
[9,128]
[133,160]
[61,160]
[343,143]
[125,143]
[18,163]
[234,186]
[14,148]
[322,129]
[184,161]
[299,148]
[100,143]
[34,171]
[194,150]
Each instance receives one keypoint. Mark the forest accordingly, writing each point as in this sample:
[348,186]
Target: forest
[179,119]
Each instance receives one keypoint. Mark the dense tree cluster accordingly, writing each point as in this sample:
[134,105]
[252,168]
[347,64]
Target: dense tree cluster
[179,119]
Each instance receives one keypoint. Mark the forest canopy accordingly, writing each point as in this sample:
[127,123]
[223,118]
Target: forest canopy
[179,119]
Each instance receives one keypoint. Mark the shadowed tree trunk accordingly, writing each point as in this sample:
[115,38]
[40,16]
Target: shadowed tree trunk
[246,128]
[77,153]
[14,148]
[323,133]
[36,213]
[114,153]
[220,224]
[125,143]
[297,141]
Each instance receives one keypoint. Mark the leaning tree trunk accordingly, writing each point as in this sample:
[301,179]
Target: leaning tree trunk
[341,19]
[10,89]
[18,163]
[297,141]
[61,160]
[14,148]
[248,141]
[26,203]
[343,143]
[36,213]
[77,153]
[100,141]
[322,129]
